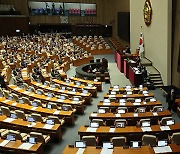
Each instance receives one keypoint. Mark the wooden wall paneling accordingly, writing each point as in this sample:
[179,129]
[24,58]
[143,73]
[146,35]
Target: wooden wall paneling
[176,46]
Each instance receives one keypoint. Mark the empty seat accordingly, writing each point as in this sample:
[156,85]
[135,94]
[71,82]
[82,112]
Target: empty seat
[140,123]
[31,89]
[120,123]
[15,97]
[164,120]
[99,121]
[157,109]
[132,100]
[56,119]
[122,108]
[26,100]
[39,92]
[149,140]
[40,138]
[175,138]
[106,77]
[36,102]
[66,107]
[20,114]
[119,141]
[5,111]
[37,117]
[90,140]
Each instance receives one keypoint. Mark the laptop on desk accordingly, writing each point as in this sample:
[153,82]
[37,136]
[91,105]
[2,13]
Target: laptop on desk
[32,140]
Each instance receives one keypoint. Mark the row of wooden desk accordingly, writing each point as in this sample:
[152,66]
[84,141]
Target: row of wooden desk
[118,150]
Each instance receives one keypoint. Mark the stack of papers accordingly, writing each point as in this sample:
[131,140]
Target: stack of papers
[9,120]
[90,129]
[94,114]
[14,104]
[33,108]
[122,104]
[80,151]
[106,151]
[164,149]
[47,126]
[3,143]
[112,95]
[25,146]
[165,128]
[111,130]
[136,103]
[146,129]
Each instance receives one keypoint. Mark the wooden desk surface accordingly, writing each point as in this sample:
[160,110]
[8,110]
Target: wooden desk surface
[120,150]
[129,104]
[116,150]
[129,115]
[125,89]
[129,96]
[14,145]
[39,110]
[16,89]
[57,90]
[86,81]
[73,85]
[126,130]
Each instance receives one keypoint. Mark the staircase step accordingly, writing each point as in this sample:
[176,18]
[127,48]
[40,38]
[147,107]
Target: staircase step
[157,82]
[156,79]
[151,75]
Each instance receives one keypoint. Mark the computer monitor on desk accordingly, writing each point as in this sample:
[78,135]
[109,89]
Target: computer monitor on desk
[80,144]
[32,140]
[146,124]
[135,144]
[162,143]
[108,145]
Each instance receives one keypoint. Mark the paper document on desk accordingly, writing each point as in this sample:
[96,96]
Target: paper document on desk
[136,104]
[80,151]
[122,104]
[3,143]
[72,92]
[47,126]
[165,128]
[33,108]
[60,100]
[118,115]
[106,151]
[14,104]
[146,129]
[94,114]
[56,112]
[106,103]
[164,149]
[26,92]
[25,146]
[17,88]
[155,114]
[135,114]
[112,95]
[9,120]
[90,129]
[111,130]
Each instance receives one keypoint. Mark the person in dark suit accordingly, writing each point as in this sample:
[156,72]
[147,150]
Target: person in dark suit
[170,99]
[2,82]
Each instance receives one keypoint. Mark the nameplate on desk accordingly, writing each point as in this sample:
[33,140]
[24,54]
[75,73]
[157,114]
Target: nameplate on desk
[26,92]
[106,151]
[90,129]
[135,114]
[43,86]
[144,103]
[106,103]
[146,129]
[17,88]
[124,95]
[112,95]
[14,104]
[9,120]
[164,149]
[163,128]
[61,90]
[47,126]
[155,114]
[56,112]
[25,146]
[75,102]
[112,130]
[80,151]
[76,86]
[94,115]
[3,143]
[118,115]
[37,84]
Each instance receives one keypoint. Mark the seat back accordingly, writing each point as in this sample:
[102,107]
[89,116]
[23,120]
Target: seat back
[16,133]
[15,97]
[39,136]
[140,110]
[119,141]
[99,121]
[164,120]
[90,140]
[175,138]
[26,100]
[25,85]
[40,92]
[149,140]
[37,117]
[56,119]
[20,114]
[6,93]
[38,102]
[5,111]
[157,108]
